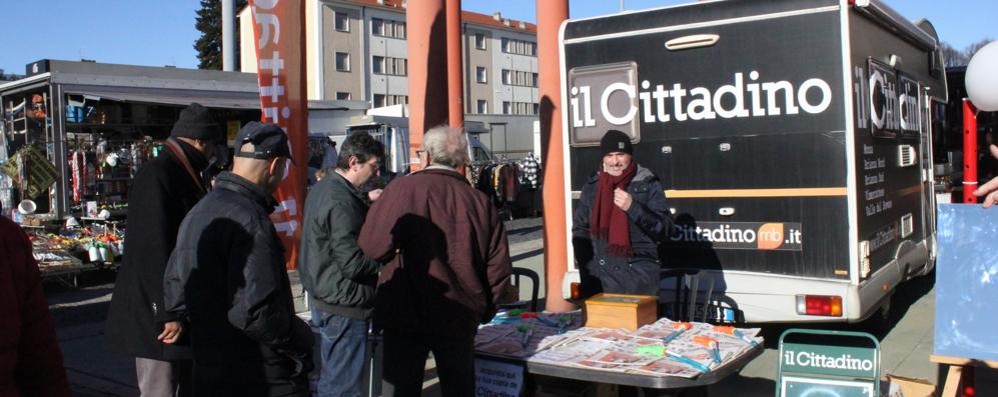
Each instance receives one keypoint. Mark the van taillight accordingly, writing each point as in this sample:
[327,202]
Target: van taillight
[819,305]
[575,289]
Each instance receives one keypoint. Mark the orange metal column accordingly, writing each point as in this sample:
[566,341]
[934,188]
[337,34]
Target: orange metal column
[427,46]
[550,14]
[455,103]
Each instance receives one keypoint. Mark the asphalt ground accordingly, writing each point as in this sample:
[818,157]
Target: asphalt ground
[905,336]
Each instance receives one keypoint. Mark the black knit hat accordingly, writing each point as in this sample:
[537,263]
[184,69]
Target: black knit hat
[615,141]
[195,122]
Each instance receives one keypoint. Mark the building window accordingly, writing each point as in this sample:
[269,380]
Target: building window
[537,108]
[483,106]
[401,66]
[519,78]
[342,22]
[480,41]
[397,100]
[379,100]
[520,108]
[342,96]
[388,28]
[481,74]
[342,62]
[511,46]
[390,66]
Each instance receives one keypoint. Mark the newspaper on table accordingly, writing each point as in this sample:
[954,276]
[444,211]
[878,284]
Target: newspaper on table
[698,349]
[522,337]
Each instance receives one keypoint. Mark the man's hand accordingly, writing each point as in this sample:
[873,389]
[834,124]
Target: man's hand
[989,190]
[622,199]
[171,332]
[374,194]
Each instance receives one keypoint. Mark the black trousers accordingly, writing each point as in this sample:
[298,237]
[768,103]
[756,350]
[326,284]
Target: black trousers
[405,359]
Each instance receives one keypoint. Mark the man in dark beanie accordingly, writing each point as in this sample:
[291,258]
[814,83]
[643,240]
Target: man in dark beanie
[621,217]
[161,194]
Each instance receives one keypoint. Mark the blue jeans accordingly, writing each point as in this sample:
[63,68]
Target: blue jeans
[343,348]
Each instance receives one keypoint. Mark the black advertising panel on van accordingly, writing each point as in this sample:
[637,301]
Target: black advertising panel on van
[735,86]
[750,103]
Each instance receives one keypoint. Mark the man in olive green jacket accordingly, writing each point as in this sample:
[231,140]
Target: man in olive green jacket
[339,279]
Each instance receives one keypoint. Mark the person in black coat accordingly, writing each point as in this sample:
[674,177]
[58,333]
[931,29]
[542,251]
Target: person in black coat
[161,194]
[227,277]
[621,218]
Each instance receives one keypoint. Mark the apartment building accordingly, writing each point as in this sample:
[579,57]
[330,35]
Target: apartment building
[357,50]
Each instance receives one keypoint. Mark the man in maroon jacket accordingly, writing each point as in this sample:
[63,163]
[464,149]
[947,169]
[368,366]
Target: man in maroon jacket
[447,267]
[30,360]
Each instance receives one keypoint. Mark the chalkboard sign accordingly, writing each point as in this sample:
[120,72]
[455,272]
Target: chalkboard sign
[967,282]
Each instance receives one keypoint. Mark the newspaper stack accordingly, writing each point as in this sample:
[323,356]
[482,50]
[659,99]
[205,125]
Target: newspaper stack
[522,335]
[699,348]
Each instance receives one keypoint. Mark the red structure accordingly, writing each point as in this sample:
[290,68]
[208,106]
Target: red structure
[435,78]
[455,102]
[550,15]
[426,21]
[969,151]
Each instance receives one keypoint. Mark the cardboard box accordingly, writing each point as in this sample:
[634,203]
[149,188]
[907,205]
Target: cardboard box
[621,311]
[901,386]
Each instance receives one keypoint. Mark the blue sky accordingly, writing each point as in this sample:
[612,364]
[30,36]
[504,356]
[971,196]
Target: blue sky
[161,32]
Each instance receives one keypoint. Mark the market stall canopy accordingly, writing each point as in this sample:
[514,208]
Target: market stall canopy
[210,99]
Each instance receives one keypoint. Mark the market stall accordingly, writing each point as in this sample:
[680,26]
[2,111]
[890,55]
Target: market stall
[661,357]
[74,134]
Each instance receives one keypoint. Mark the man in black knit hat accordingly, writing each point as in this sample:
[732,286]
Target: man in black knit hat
[161,194]
[621,217]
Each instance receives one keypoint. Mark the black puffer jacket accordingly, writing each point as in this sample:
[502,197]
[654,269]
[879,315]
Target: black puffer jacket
[161,194]
[334,271]
[227,277]
[649,222]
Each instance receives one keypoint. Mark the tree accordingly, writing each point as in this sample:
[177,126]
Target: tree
[8,77]
[974,47]
[953,56]
[209,45]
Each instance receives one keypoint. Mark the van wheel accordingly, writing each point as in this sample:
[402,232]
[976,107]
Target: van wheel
[880,322]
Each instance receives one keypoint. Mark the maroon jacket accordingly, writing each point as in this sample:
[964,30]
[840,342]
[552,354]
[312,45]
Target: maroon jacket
[454,263]
[30,360]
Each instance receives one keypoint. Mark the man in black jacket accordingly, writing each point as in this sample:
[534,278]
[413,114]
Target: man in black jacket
[621,217]
[227,277]
[339,279]
[162,193]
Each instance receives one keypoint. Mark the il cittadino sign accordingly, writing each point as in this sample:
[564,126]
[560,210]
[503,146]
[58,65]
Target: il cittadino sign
[819,370]
[829,360]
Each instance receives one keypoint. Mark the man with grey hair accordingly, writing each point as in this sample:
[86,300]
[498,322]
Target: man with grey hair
[447,265]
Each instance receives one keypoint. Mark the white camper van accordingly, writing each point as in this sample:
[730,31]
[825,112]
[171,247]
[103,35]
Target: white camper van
[792,138]
[393,132]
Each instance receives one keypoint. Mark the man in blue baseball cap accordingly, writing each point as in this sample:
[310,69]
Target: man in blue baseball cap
[227,278]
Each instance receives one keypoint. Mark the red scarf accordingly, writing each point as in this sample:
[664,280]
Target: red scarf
[607,221]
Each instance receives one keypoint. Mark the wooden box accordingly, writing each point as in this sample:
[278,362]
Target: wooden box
[621,311]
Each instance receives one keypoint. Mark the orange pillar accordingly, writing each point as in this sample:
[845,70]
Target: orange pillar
[427,38]
[550,14]
[455,103]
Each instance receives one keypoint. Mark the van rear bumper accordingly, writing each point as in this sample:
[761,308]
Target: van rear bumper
[769,298]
